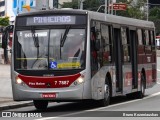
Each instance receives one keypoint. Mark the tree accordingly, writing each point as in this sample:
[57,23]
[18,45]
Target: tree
[134,9]
[154,15]
[92,5]
[4,21]
[73,4]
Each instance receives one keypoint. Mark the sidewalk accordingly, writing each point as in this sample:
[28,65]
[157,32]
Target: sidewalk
[8,103]
[6,99]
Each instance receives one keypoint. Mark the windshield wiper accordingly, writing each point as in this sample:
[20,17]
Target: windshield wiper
[35,38]
[62,40]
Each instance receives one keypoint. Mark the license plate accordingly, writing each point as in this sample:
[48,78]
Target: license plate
[48,95]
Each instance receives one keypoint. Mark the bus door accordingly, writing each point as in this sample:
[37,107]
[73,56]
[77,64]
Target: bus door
[118,58]
[133,44]
[94,52]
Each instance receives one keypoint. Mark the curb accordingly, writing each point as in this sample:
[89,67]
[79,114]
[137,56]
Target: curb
[15,105]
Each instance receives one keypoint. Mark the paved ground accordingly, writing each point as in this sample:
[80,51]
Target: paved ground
[5,81]
[6,99]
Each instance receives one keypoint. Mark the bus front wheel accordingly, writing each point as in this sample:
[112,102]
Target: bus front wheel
[107,94]
[40,104]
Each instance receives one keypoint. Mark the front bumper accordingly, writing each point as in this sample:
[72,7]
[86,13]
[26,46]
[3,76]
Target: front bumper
[21,93]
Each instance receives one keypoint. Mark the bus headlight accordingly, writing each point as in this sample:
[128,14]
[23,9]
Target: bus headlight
[79,80]
[19,81]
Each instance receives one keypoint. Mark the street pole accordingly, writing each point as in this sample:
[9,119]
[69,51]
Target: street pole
[81,4]
[105,6]
[18,7]
[147,10]
[112,8]
[78,3]
[108,6]
[48,5]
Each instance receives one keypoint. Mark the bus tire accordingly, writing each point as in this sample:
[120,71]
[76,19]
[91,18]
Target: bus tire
[140,94]
[40,104]
[107,95]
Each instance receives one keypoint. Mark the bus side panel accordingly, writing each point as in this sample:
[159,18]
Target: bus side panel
[151,73]
[154,67]
[127,80]
[98,82]
[148,64]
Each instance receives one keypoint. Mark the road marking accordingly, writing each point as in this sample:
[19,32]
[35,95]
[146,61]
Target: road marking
[101,108]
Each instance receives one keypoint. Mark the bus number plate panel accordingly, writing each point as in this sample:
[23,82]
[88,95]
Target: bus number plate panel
[48,95]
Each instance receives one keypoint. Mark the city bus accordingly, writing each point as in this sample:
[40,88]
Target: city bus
[79,55]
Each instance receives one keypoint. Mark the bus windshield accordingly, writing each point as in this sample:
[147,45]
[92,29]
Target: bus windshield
[52,49]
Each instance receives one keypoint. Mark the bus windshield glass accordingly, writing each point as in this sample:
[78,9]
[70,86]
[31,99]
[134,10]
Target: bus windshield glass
[53,49]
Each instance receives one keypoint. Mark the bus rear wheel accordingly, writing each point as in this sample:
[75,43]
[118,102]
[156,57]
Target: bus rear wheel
[140,94]
[40,104]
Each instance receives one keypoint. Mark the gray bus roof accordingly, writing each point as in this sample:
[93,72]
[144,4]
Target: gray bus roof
[96,16]
[120,20]
[58,11]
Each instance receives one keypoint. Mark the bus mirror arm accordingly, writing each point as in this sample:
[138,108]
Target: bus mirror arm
[5,35]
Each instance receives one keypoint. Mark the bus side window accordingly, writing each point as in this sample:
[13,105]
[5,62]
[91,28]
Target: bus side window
[146,37]
[125,45]
[152,39]
[106,44]
[143,37]
[148,42]
[140,39]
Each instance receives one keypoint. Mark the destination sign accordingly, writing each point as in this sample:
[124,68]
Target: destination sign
[50,20]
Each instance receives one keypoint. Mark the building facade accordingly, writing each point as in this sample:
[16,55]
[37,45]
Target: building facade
[10,8]
[2,8]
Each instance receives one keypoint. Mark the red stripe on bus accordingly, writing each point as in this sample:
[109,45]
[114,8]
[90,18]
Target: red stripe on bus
[49,82]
